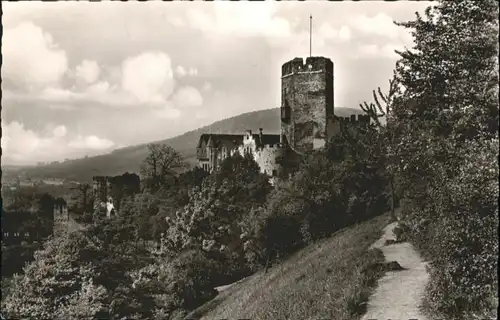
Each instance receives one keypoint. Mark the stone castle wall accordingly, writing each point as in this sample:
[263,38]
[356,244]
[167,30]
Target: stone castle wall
[108,190]
[307,102]
[61,218]
[266,158]
[336,123]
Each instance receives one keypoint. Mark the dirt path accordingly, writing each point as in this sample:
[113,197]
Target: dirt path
[399,293]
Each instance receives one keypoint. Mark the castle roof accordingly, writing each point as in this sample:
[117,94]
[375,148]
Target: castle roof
[267,138]
[232,141]
[229,141]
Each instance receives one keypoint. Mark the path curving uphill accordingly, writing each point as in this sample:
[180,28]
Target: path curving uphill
[399,294]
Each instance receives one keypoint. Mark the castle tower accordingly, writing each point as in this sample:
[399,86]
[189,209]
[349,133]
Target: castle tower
[61,216]
[306,102]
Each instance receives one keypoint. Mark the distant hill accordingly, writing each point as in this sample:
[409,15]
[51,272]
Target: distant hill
[129,159]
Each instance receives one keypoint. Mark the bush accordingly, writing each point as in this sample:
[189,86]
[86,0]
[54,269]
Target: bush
[457,227]
[466,237]
[182,283]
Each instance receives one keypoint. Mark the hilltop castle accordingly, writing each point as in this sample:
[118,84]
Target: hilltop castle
[308,120]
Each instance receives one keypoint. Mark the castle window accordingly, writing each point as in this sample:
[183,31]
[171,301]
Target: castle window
[285,112]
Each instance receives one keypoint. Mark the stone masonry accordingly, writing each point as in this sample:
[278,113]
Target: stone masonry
[306,102]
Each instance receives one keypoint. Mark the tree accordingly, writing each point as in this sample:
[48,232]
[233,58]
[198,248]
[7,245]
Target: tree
[445,124]
[385,135]
[161,163]
[84,274]
[449,89]
[211,219]
[453,67]
[52,281]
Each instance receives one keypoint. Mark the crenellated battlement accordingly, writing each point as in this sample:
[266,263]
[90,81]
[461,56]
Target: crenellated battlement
[272,146]
[359,119]
[311,64]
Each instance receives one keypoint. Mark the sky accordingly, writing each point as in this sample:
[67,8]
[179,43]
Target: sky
[84,78]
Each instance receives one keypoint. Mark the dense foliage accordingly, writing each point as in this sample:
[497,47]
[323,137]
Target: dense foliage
[335,187]
[211,219]
[444,121]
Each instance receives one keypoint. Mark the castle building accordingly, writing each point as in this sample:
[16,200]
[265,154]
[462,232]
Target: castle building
[101,190]
[213,148]
[61,216]
[308,120]
[108,190]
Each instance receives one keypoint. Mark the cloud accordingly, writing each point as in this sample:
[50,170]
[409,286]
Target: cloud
[146,80]
[167,112]
[148,76]
[180,71]
[59,131]
[30,56]
[187,97]
[18,143]
[368,49]
[345,33]
[327,32]
[383,26]
[24,146]
[56,94]
[88,71]
[242,19]
[383,36]
[99,87]
[380,24]
[207,86]
[175,21]
[90,142]
[378,51]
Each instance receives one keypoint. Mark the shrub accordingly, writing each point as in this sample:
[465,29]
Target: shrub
[457,227]
[182,283]
[465,237]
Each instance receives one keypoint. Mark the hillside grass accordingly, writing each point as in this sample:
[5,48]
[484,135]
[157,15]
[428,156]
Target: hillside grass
[326,280]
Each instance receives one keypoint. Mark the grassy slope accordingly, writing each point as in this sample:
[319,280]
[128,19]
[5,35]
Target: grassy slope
[130,158]
[323,281]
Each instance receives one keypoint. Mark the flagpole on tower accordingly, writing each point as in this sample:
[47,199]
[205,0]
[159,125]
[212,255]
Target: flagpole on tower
[310,35]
